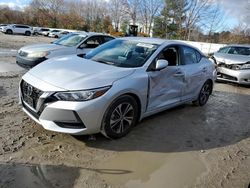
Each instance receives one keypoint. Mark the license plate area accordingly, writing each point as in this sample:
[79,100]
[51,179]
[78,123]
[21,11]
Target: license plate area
[28,100]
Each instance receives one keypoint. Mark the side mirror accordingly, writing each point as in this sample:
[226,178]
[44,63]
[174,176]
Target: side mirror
[161,64]
[82,46]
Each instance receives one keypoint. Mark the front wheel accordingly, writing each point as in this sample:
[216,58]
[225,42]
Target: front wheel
[204,94]
[27,33]
[120,117]
[9,32]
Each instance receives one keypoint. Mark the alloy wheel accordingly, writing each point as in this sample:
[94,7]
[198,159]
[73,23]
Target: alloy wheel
[122,118]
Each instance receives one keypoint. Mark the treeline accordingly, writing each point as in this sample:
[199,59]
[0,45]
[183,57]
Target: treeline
[173,19]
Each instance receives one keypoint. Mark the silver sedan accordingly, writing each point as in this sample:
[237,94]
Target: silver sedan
[115,86]
[233,64]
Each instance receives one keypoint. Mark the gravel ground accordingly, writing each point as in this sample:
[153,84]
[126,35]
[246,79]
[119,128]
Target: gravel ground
[184,147]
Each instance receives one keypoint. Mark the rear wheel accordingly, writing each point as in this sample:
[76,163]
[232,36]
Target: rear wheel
[27,33]
[204,94]
[121,117]
[9,31]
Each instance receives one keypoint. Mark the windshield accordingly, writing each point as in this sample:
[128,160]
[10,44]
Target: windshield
[123,53]
[70,40]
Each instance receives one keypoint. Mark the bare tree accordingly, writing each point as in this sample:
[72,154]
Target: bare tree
[196,15]
[132,9]
[51,8]
[215,21]
[149,9]
[117,8]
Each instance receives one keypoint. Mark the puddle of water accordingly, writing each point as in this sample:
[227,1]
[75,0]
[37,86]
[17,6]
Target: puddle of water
[154,169]
[7,52]
[39,176]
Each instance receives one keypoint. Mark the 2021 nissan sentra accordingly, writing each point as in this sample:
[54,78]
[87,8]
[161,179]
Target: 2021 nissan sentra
[74,43]
[115,85]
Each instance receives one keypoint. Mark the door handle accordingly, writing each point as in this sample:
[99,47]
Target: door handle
[179,74]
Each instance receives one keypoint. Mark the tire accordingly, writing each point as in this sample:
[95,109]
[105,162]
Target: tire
[9,32]
[204,94]
[56,36]
[27,33]
[121,117]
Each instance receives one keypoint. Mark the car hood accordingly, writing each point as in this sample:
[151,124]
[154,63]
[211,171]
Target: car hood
[75,73]
[231,59]
[41,48]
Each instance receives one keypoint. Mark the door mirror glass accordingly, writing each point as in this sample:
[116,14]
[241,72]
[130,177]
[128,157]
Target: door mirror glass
[161,64]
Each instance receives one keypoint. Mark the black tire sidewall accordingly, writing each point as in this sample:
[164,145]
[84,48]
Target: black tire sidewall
[107,129]
[27,33]
[199,99]
[9,31]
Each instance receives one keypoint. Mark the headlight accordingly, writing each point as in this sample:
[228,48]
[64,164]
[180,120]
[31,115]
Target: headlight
[246,66]
[37,54]
[84,95]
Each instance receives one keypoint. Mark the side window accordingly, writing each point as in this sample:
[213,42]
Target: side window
[198,55]
[223,50]
[189,56]
[93,42]
[170,54]
[106,39]
[233,50]
[21,26]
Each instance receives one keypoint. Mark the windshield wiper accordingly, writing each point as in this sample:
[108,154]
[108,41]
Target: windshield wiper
[105,62]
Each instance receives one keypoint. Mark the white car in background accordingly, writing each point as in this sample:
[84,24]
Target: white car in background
[58,34]
[2,26]
[17,29]
[54,33]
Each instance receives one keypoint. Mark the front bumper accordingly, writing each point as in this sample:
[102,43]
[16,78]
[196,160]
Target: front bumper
[28,63]
[236,76]
[76,118]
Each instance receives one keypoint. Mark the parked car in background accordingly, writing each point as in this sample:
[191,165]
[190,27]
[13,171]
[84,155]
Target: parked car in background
[2,26]
[62,33]
[233,63]
[74,43]
[45,32]
[42,30]
[18,29]
[54,33]
[115,85]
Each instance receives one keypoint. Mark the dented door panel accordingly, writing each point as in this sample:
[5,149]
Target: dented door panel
[165,87]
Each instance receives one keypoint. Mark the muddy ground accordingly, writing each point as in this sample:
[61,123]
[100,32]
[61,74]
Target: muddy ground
[184,147]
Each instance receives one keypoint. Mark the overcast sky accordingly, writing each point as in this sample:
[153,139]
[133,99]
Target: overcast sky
[235,10]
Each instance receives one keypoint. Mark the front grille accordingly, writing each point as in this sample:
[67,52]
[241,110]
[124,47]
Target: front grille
[232,67]
[30,94]
[228,77]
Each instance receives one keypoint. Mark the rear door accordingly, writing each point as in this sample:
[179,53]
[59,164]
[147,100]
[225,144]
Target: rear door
[195,72]
[165,86]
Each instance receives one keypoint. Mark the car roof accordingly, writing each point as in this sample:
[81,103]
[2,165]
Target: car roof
[158,41]
[91,33]
[238,45]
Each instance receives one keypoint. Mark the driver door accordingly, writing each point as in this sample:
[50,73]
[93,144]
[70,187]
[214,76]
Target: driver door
[165,86]
[89,44]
